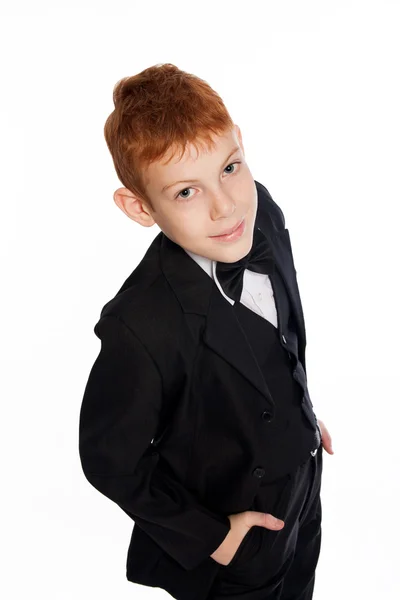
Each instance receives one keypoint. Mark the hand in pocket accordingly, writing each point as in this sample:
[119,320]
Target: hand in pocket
[241,533]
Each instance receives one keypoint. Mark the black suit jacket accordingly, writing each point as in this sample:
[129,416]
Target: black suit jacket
[170,424]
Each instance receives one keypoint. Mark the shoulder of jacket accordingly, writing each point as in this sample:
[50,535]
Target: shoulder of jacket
[269,206]
[147,307]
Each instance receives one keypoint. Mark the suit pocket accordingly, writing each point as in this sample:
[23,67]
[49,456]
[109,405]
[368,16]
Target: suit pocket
[247,548]
[273,498]
[278,507]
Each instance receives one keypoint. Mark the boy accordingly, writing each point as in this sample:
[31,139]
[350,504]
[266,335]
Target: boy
[196,418]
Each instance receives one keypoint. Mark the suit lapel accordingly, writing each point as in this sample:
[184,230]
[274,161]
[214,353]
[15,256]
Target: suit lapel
[283,256]
[199,294]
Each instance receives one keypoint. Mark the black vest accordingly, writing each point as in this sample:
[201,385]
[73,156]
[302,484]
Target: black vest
[290,435]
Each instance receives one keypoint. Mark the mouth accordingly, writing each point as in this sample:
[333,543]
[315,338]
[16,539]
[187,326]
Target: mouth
[229,231]
[233,234]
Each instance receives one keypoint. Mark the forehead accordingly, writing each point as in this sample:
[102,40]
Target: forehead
[176,159]
[191,152]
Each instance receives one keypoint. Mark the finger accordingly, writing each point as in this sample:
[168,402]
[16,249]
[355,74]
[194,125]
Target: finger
[269,521]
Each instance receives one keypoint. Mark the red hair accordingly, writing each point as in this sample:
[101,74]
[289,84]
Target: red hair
[158,110]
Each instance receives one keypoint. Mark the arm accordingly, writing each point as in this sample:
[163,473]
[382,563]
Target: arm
[118,420]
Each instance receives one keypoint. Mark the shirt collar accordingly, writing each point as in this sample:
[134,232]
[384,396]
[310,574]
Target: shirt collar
[209,266]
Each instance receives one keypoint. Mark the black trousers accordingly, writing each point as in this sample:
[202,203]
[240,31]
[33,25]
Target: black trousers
[279,565]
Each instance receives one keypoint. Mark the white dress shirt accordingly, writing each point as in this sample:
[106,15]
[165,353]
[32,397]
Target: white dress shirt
[257,293]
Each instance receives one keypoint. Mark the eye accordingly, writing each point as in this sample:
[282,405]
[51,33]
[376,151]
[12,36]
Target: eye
[231,172]
[231,164]
[181,192]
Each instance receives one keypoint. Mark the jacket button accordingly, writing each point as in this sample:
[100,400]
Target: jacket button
[283,339]
[259,472]
[266,415]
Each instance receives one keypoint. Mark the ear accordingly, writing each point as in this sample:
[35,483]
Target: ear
[133,206]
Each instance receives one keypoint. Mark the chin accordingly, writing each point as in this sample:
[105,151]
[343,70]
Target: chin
[236,252]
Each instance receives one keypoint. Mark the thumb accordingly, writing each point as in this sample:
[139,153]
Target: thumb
[267,520]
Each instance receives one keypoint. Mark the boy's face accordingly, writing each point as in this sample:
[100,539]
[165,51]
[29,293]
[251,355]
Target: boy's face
[220,193]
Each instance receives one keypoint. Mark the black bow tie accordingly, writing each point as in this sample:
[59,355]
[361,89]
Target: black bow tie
[259,259]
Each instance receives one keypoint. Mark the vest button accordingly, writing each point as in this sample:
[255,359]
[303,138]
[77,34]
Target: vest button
[283,339]
[259,472]
[267,415]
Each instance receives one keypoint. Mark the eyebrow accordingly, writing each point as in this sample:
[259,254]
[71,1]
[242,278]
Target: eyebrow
[193,180]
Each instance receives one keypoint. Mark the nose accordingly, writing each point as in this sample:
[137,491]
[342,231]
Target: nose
[222,206]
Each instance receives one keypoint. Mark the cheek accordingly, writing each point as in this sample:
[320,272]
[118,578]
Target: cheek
[192,226]
[185,230]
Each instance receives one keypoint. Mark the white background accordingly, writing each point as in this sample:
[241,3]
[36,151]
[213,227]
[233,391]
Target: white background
[314,87]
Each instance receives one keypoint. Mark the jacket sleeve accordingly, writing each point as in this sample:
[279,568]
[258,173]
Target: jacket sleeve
[118,419]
